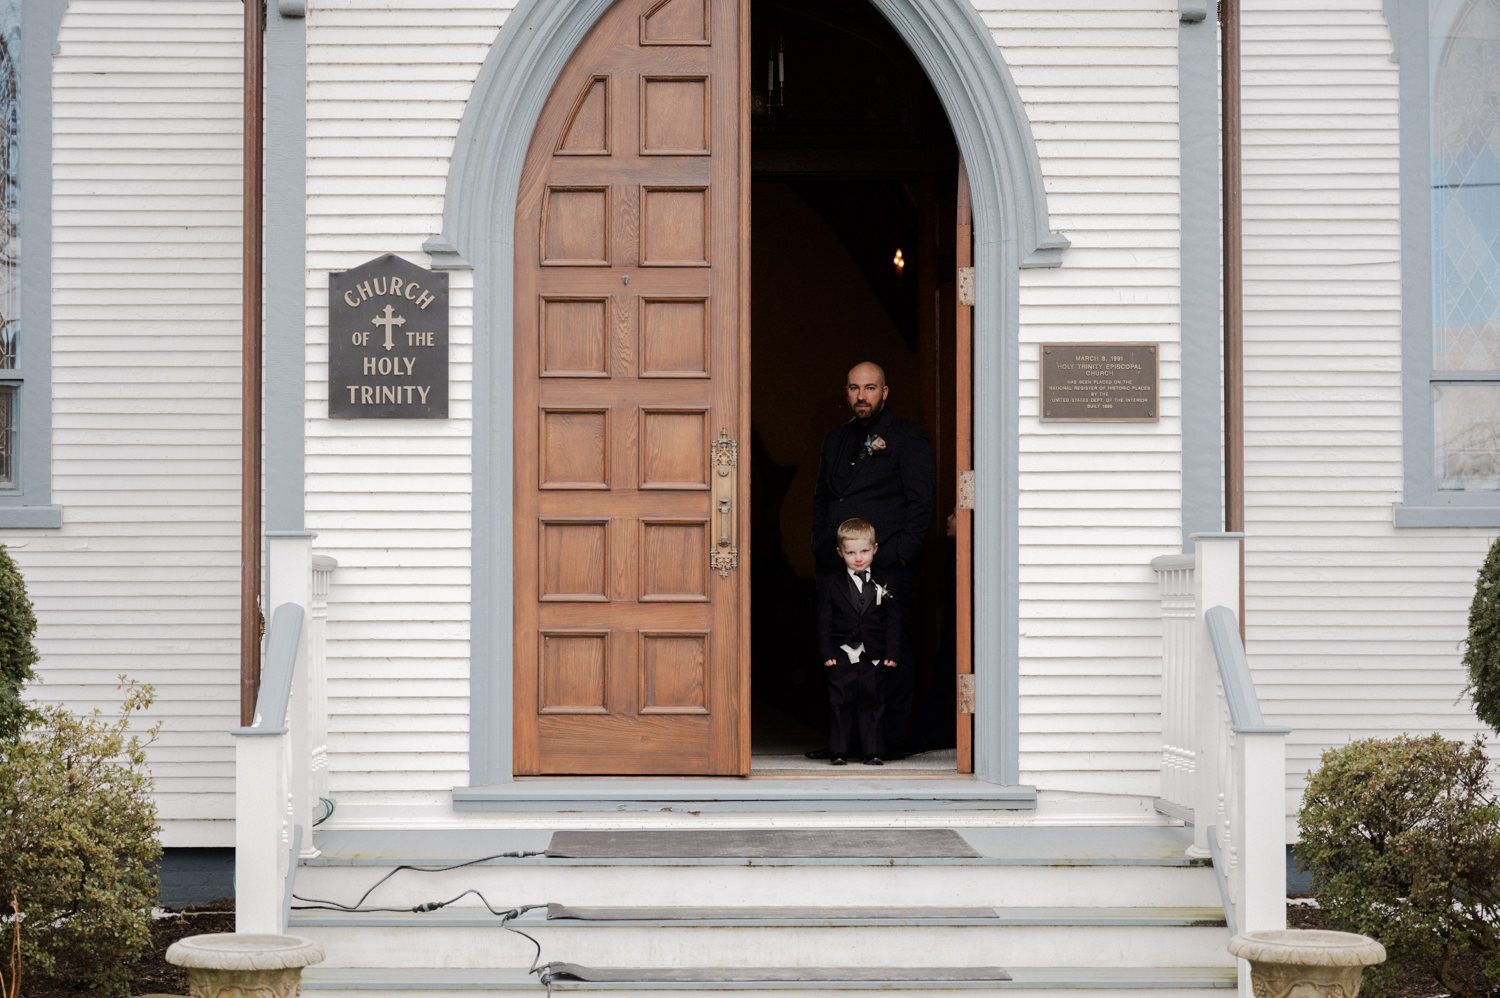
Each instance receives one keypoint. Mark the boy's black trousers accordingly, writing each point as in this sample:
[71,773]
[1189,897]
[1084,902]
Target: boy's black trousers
[856,706]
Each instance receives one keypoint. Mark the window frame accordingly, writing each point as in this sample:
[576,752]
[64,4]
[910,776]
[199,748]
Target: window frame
[29,502]
[1423,504]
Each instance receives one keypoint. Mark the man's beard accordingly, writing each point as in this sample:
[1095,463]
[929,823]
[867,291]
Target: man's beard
[869,414]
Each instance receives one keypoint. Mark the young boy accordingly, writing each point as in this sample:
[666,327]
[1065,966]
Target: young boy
[859,627]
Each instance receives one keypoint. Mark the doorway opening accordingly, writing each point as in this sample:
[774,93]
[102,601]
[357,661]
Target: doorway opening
[854,198]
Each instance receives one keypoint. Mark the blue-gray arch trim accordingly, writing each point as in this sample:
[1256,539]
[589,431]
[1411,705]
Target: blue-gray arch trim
[1011,232]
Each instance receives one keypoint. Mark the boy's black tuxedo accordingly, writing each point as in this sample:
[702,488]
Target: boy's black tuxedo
[848,615]
[854,615]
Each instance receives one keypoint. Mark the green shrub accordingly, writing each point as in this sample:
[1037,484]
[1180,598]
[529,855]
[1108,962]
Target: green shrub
[78,843]
[17,628]
[1482,650]
[1402,837]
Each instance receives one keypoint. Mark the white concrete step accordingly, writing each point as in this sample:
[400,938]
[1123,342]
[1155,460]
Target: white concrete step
[1035,982]
[1071,910]
[1012,937]
[1015,867]
[760,883]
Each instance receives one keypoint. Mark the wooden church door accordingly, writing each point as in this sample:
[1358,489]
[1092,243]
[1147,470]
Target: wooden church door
[631,638]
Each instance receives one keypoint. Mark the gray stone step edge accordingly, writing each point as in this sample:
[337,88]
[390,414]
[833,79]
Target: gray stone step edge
[465,917]
[1032,846]
[328,861]
[362,980]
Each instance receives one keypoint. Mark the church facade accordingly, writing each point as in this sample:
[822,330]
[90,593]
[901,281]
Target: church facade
[659,232]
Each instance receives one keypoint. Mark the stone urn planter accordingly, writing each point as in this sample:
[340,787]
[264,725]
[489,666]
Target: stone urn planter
[244,965]
[1306,963]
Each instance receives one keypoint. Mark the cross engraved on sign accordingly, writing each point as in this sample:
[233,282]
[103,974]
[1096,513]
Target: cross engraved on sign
[390,320]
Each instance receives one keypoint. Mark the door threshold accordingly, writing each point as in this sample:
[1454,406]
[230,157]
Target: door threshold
[753,794]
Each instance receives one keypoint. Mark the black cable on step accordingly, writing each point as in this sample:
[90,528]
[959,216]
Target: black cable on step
[537,968]
[317,904]
[506,915]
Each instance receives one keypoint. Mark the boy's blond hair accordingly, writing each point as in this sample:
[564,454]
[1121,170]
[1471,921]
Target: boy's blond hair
[855,529]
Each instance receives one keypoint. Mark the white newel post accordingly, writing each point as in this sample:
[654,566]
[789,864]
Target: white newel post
[1264,830]
[1216,574]
[291,581]
[257,833]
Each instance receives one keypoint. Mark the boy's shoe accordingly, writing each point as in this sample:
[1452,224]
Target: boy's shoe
[874,760]
[837,760]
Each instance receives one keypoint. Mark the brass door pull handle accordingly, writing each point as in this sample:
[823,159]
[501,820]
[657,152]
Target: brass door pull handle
[724,462]
[726,523]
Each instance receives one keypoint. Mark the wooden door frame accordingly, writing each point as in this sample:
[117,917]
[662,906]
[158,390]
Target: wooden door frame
[963,460]
[1012,232]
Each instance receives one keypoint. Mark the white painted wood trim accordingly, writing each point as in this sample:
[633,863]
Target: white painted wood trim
[257,834]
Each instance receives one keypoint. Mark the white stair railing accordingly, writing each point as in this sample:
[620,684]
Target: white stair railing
[317,690]
[281,758]
[1248,837]
[1179,621]
[1223,768]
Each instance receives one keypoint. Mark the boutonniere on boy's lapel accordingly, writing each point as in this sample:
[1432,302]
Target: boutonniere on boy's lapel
[882,593]
[874,444]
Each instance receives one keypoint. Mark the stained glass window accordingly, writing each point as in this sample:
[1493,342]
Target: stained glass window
[1465,163]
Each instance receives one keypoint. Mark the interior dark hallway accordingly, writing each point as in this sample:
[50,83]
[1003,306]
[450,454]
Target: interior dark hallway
[854,164]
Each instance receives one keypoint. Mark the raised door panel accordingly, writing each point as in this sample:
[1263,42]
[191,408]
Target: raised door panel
[628,348]
[676,22]
[587,130]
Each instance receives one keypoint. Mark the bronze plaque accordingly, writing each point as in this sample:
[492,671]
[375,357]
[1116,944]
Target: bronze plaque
[1100,382]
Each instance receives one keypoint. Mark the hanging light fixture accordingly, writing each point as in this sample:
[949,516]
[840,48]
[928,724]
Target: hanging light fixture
[774,96]
[776,74]
[900,261]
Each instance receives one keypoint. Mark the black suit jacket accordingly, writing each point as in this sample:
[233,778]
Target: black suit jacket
[842,621]
[892,487]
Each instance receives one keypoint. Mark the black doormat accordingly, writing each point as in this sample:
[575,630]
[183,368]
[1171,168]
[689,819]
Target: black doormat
[763,843]
[766,975]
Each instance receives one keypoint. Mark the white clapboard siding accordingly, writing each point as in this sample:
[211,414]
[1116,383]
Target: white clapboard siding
[1098,501]
[143,576]
[1354,626]
[387,85]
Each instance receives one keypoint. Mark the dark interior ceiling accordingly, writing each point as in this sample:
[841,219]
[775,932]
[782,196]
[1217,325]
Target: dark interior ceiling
[855,128]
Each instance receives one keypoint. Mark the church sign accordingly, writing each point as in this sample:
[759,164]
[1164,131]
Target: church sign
[1100,382]
[388,341]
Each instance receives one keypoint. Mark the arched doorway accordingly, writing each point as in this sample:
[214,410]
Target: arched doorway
[1011,232]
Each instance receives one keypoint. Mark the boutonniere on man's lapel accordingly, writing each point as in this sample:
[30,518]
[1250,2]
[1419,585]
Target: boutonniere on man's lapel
[874,444]
[882,593]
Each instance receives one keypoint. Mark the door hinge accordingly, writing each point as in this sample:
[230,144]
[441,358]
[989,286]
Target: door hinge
[966,285]
[966,693]
[966,490]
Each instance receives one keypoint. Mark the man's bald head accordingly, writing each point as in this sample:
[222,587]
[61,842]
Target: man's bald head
[866,389]
[866,372]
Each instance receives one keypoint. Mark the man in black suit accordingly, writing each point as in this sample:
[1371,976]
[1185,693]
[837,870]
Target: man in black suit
[878,467]
[859,629]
